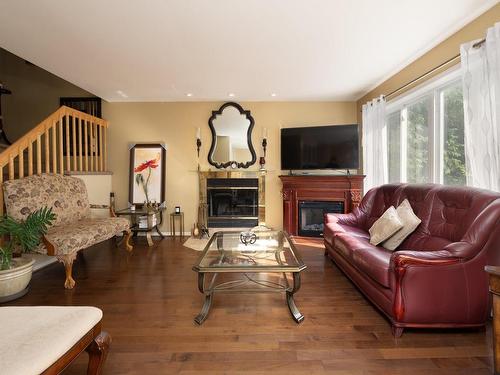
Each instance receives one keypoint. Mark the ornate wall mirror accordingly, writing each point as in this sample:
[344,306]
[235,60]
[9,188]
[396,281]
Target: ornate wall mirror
[231,128]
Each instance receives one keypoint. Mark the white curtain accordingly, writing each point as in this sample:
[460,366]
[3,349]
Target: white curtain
[481,87]
[374,143]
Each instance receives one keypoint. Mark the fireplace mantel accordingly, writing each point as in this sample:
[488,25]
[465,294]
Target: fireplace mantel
[339,188]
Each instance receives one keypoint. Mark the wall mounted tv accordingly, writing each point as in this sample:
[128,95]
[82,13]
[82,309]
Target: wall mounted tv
[320,147]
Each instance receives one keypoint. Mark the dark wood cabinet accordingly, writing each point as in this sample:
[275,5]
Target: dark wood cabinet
[339,188]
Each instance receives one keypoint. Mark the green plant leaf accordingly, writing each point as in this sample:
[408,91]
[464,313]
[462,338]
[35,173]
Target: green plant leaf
[27,234]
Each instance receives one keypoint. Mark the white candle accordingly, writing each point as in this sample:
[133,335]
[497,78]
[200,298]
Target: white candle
[198,133]
[264,133]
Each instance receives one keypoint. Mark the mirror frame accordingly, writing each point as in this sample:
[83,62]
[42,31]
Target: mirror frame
[231,163]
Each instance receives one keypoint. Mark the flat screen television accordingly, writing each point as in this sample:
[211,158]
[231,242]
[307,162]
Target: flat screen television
[320,147]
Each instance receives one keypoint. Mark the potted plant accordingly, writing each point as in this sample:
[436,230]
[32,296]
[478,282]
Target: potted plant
[15,268]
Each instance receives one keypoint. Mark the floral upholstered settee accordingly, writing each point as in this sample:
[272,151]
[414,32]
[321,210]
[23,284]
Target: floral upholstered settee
[74,229]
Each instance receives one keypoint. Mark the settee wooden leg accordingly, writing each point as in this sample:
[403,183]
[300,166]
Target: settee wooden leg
[397,332]
[127,234]
[68,260]
[98,351]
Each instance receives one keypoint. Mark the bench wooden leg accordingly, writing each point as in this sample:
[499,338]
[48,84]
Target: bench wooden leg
[127,234]
[68,260]
[98,351]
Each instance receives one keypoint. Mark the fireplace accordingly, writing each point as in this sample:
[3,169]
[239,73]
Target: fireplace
[343,191]
[233,202]
[311,215]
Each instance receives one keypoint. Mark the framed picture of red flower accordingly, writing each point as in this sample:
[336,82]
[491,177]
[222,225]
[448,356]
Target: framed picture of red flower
[147,173]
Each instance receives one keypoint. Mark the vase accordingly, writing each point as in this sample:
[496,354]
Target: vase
[14,281]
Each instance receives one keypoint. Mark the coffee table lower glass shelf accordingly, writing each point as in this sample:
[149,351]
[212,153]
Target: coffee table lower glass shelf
[263,261]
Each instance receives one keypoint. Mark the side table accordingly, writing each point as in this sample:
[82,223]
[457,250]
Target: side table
[134,217]
[174,216]
[494,274]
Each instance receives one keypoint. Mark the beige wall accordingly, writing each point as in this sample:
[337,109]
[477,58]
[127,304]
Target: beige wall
[436,56]
[35,94]
[176,123]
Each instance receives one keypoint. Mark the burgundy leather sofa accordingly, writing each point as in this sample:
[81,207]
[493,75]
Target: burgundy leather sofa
[436,277]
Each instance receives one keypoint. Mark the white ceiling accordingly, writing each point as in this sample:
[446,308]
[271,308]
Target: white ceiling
[161,50]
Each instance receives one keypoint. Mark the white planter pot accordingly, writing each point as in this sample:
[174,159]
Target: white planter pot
[15,280]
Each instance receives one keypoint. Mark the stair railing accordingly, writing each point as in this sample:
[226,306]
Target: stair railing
[66,141]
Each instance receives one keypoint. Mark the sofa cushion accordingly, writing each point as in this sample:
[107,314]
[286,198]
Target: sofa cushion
[35,337]
[388,224]
[67,196]
[376,202]
[455,208]
[347,244]
[332,229]
[367,258]
[81,234]
[410,223]
[375,262]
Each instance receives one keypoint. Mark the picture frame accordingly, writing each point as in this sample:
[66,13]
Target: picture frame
[149,161]
[177,209]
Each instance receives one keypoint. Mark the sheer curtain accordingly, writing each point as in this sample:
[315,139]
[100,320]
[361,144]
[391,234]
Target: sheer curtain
[374,144]
[481,88]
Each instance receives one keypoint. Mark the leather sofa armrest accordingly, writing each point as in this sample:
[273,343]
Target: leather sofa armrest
[345,219]
[407,258]
[408,261]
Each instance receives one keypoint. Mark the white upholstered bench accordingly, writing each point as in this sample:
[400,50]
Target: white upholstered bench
[46,339]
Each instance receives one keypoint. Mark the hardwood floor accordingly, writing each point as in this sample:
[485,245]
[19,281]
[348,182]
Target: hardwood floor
[150,298]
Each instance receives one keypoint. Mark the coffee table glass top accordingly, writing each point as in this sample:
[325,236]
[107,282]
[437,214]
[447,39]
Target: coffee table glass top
[270,251]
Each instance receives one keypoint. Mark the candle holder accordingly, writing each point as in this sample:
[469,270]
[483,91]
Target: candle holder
[262,159]
[262,163]
[198,146]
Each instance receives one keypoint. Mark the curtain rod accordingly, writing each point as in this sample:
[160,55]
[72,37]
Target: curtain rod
[431,71]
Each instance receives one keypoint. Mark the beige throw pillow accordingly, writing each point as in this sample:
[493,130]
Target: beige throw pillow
[385,226]
[410,223]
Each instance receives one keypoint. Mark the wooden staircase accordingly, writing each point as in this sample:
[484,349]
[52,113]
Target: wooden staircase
[66,141]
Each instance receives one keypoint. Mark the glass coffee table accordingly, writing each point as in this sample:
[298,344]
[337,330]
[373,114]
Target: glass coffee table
[249,255]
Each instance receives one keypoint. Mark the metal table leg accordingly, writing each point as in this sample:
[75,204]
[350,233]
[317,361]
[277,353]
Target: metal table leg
[296,315]
[159,232]
[208,292]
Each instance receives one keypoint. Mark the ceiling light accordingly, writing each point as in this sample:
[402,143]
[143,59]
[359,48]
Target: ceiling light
[121,93]
[231,95]
[189,94]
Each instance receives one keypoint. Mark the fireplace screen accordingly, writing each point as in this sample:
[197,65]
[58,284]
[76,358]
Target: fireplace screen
[311,216]
[233,202]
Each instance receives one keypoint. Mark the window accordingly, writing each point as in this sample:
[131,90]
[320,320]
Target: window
[419,117]
[453,135]
[425,134]
[394,147]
